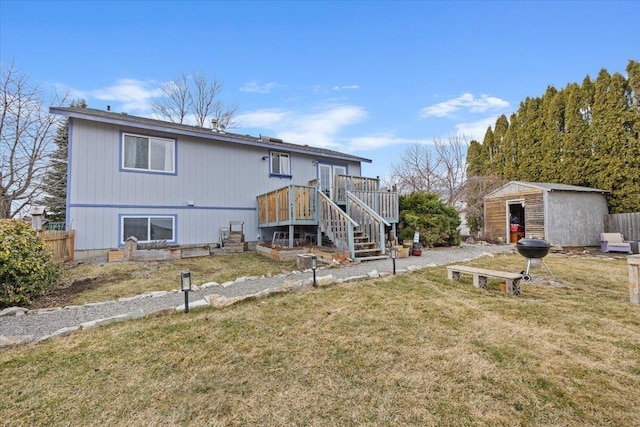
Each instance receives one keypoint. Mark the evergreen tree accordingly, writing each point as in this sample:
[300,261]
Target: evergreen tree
[611,137]
[582,135]
[552,135]
[511,151]
[476,159]
[576,152]
[55,182]
[531,136]
[499,135]
[490,151]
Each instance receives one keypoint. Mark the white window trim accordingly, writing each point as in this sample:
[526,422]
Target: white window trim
[148,217]
[281,155]
[171,143]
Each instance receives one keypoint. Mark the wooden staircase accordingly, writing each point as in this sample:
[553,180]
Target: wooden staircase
[234,243]
[365,249]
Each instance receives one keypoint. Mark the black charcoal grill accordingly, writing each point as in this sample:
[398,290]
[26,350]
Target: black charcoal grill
[533,249]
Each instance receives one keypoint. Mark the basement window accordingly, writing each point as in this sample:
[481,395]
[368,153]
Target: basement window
[148,228]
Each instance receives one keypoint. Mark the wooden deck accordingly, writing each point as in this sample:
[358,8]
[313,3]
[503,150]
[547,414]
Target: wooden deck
[365,210]
[291,205]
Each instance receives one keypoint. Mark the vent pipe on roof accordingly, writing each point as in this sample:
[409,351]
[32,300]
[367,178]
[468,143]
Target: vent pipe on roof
[214,125]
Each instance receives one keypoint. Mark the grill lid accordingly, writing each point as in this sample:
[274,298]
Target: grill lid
[533,248]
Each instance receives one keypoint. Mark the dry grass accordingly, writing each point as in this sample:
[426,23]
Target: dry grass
[412,350]
[91,282]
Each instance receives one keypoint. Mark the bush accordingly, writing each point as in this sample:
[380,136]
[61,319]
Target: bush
[27,268]
[437,222]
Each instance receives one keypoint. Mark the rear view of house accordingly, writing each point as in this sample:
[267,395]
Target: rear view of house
[161,181]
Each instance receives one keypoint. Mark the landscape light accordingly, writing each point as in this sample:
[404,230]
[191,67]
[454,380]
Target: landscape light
[393,259]
[314,266]
[185,285]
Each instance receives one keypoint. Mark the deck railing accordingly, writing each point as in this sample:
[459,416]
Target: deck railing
[384,203]
[344,183]
[369,221]
[336,224]
[294,204]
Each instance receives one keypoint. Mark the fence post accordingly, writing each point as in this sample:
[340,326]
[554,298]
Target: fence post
[634,278]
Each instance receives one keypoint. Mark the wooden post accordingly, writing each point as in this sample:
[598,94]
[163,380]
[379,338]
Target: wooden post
[634,278]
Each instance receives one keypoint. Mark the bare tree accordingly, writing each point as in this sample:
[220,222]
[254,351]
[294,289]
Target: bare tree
[452,160]
[194,97]
[26,136]
[436,168]
[416,170]
[173,105]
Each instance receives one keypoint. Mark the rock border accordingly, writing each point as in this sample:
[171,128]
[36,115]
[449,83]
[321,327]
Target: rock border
[212,300]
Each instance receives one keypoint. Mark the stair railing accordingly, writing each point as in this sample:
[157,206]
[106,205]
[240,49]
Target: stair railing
[384,203]
[336,224]
[370,222]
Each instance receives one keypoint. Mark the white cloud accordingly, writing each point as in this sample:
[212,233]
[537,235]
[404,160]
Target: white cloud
[476,130]
[319,129]
[266,118]
[346,87]
[466,102]
[374,142]
[255,87]
[131,94]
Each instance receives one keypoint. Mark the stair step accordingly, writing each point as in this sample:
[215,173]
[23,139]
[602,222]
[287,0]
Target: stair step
[366,245]
[367,251]
[371,258]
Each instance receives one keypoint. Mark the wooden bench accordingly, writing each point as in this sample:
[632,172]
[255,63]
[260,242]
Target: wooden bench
[481,276]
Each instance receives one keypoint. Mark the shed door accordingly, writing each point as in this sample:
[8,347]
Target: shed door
[515,220]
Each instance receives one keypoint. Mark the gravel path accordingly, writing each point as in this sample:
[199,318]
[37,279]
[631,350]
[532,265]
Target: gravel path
[36,325]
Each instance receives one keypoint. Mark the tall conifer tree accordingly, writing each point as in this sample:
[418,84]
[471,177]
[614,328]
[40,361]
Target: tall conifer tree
[576,152]
[55,182]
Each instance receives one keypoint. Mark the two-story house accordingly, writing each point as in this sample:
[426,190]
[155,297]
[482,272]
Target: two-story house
[157,180]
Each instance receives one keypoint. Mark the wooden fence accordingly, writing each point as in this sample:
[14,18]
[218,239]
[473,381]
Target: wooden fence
[626,223]
[60,242]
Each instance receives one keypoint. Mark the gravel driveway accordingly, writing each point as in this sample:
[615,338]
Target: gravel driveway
[20,326]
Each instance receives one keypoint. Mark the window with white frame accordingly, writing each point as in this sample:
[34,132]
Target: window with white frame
[148,228]
[148,153]
[280,163]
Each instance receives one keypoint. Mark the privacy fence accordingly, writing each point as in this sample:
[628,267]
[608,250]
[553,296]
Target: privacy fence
[60,242]
[626,223]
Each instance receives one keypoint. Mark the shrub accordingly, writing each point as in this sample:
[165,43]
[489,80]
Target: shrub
[27,268]
[437,222]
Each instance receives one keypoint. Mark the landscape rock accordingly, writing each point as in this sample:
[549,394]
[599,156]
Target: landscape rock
[13,311]
[100,322]
[209,285]
[10,340]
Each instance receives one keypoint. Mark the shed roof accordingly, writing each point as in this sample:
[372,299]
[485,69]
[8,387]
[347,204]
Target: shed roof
[124,119]
[547,186]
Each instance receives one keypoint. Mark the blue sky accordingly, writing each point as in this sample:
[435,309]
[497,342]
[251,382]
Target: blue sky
[363,77]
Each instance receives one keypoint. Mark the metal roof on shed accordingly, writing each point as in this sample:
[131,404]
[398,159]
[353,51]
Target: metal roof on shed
[548,186]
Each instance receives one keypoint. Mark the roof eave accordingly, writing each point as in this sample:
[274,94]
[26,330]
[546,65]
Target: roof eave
[206,134]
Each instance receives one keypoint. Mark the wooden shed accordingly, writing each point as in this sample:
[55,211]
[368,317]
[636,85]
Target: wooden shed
[565,215]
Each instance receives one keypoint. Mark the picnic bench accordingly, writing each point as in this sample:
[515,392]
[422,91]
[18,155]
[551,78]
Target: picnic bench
[481,277]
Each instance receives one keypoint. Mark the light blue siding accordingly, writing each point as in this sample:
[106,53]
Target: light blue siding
[222,180]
